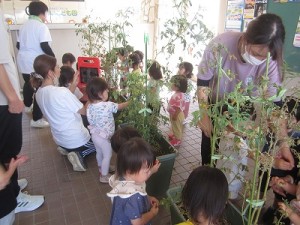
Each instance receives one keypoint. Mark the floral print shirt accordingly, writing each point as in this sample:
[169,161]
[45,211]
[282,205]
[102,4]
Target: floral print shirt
[100,117]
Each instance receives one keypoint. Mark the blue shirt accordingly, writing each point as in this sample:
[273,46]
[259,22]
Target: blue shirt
[126,209]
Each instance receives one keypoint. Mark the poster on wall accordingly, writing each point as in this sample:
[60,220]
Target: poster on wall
[260,7]
[285,1]
[234,15]
[296,42]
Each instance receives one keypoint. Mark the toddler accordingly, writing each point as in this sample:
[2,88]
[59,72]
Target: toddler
[131,204]
[204,196]
[102,124]
[69,79]
[176,108]
[154,84]
[68,59]
[186,69]
[124,134]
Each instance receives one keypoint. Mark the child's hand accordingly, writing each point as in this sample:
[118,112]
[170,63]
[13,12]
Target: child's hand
[154,209]
[285,209]
[155,167]
[153,200]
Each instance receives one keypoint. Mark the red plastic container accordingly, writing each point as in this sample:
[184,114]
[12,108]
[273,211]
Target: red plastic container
[88,68]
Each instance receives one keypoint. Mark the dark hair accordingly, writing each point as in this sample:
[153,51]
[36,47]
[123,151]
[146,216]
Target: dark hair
[134,59]
[140,54]
[121,136]
[155,71]
[122,51]
[66,76]
[68,57]
[205,192]
[95,86]
[132,155]
[42,65]
[267,29]
[36,8]
[188,69]
[180,82]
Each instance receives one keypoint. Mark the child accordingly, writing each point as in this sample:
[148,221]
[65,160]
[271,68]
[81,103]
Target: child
[186,69]
[69,79]
[176,108]
[124,134]
[134,62]
[123,66]
[68,59]
[285,186]
[155,84]
[141,55]
[102,124]
[131,204]
[204,196]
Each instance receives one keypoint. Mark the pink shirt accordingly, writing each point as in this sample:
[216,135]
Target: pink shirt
[176,101]
[234,67]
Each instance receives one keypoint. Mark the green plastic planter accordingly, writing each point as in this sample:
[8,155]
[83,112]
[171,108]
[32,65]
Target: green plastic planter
[232,214]
[159,183]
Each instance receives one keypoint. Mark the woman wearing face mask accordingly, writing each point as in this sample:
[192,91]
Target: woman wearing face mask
[62,109]
[33,40]
[244,55]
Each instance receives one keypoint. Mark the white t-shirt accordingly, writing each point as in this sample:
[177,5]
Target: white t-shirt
[60,107]
[31,35]
[101,119]
[7,61]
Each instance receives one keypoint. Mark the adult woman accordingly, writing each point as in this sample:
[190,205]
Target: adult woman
[33,40]
[62,109]
[244,55]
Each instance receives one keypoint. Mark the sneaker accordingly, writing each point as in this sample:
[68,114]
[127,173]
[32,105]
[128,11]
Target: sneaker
[62,151]
[104,179]
[22,183]
[171,137]
[28,202]
[41,123]
[28,109]
[77,161]
[175,142]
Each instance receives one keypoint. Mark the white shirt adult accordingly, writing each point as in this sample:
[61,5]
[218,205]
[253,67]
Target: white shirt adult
[7,61]
[31,35]
[61,107]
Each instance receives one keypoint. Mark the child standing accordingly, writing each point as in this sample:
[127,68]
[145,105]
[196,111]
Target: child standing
[155,83]
[101,120]
[204,196]
[131,204]
[186,69]
[176,108]
[69,79]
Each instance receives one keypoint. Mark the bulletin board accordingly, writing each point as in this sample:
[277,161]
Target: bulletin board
[289,12]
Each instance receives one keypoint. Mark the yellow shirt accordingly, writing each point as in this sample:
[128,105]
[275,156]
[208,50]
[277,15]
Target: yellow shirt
[186,223]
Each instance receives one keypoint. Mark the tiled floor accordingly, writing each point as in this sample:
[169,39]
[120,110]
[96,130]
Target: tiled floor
[77,198]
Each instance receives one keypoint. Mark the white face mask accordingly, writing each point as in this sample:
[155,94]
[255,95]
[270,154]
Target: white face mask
[251,59]
[55,81]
